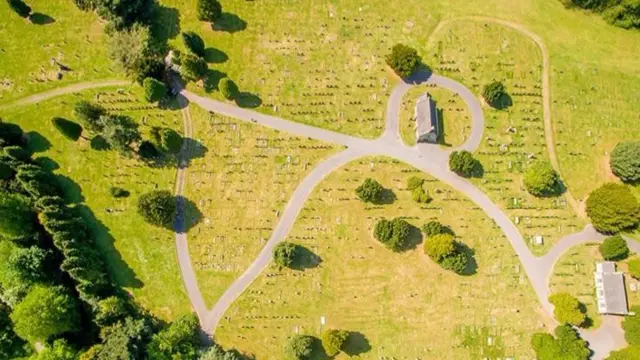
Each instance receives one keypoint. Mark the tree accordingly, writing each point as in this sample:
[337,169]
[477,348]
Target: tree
[631,327]
[148,151]
[414,182]
[614,248]
[158,208]
[456,262]
[629,353]
[392,233]
[119,131]
[60,350]
[334,340]
[613,208]
[194,43]
[370,191]
[567,345]
[624,14]
[284,254]
[30,264]
[493,92]
[11,346]
[299,347]
[17,218]
[111,310]
[567,309]
[193,68]
[149,67]
[420,196]
[180,340]
[67,128]
[209,10]
[154,90]
[215,352]
[434,228]
[125,14]
[464,164]
[625,161]
[404,60]
[46,311]
[228,88]
[130,49]
[90,114]
[170,140]
[541,179]
[20,8]
[439,246]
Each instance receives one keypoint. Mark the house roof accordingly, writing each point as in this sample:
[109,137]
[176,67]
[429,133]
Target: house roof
[426,118]
[610,289]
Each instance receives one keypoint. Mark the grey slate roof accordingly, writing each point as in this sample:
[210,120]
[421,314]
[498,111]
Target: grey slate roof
[610,289]
[426,118]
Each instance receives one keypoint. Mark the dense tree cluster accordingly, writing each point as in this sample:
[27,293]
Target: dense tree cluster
[392,233]
[441,247]
[119,132]
[625,161]
[464,164]
[370,191]
[567,309]
[567,344]
[404,60]
[493,93]
[614,248]
[299,347]
[541,179]
[613,208]
[621,13]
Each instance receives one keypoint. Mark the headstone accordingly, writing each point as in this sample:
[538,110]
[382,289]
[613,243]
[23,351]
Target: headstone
[539,240]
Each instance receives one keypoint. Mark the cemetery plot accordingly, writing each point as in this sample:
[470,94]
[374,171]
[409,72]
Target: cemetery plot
[476,54]
[70,47]
[141,257]
[452,111]
[400,305]
[240,183]
[573,273]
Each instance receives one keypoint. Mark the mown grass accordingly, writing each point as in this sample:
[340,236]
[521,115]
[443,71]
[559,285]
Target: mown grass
[141,257]
[241,180]
[402,305]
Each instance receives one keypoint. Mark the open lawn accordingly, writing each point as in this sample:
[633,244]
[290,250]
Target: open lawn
[141,257]
[240,181]
[452,112]
[400,305]
[59,31]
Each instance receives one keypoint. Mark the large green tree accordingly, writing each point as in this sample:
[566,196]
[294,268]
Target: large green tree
[403,59]
[614,248]
[30,264]
[181,340]
[284,254]
[228,88]
[194,43]
[493,93]
[334,340]
[124,340]
[370,191]
[567,309]
[625,161]
[392,233]
[541,179]
[89,114]
[59,350]
[130,49]
[439,246]
[120,132]
[154,90]
[613,208]
[11,346]
[209,10]
[158,208]
[299,347]
[464,164]
[566,345]
[193,68]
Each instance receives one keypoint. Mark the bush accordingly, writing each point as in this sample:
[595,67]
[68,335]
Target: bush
[18,218]
[370,191]
[111,310]
[414,182]
[631,326]
[89,114]
[154,90]
[228,88]
[625,161]
[392,233]
[566,345]
[193,68]
[158,208]
[613,208]
[420,196]
[118,192]
[194,43]
[614,248]
[284,254]
[464,164]
[209,10]
[456,262]
[67,128]
[435,228]
[493,92]
[439,246]
[541,179]
[404,60]
[567,309]
[334,340]
[20,8]
[300,347]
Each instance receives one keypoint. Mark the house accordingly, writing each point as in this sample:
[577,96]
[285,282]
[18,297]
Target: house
[610,289]
[426,117]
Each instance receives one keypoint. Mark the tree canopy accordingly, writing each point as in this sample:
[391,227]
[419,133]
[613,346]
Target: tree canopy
[193,68]
[284,254]
[18,217]
[299,347]
[370,191]
[333,340]
[120,132]
[439,246]
[625,161]
[181,340]
[158,208]
[566,345]
[194,43]
[493,93]
[567,309]
[392,233]
[613,208]
[464,164]
[90,113]
[404,60]
[67,128]
[209,10]
[154,90]
[541,179]
[614,248]
[434,228]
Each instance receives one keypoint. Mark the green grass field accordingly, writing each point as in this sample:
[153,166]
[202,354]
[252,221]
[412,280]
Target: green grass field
[141,257]
[241,184]
[403,305]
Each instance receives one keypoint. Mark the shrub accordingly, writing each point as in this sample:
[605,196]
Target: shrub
[439,246]
[567,309]
[541,179]
[18,218]
[493,92]
[392,233]
[404,60]
[566,345]
[67,128]
[118,192]
[299,347]
[625,161]
[613,208]
[154,90]
[284,254]
[194,43]
[20,8]
[158,208]
[45,312]
[420,196]
[631,326]
[463,163]
[456,262]
[334,340]
[193,68]
[614,248]
[209,10]
[435,228]
[414,182]
[370,191]
[228,88]
[89,114]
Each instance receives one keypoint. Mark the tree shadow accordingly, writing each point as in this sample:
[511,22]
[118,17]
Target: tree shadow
[41,19]
[318,353]
[414,238]
[99,143]
[120,272]
[230,23]
[472,264]
[215,56]
[71,190]
[503,102]
[248,100]
[212,79]
[188,215]
[387,197]
[36,142]
[356,344]
[195,150]
[478,170]
[166,24]
[305,259]
[47,163]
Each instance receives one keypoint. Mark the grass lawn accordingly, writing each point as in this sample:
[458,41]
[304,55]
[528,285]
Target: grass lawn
[452,112]
[573,273]
[73,38]
[141,257]
[402,305]
[241,182]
